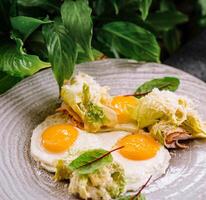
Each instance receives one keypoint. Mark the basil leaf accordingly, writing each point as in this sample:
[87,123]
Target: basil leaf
[62,51]
[166,83]
[163,21]
[26,25]
[76,16]
[132,41]
[144,6]
[7,81]
[15,62]
[89,161]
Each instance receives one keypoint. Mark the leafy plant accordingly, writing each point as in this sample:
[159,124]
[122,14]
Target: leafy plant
[36,34]
[78,21]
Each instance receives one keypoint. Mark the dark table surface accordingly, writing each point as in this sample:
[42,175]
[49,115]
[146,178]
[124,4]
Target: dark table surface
[191,57]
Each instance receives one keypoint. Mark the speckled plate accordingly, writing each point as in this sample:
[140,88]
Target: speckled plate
[28,103]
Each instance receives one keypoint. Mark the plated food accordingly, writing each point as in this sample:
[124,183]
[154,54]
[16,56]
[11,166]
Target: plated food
[105,146]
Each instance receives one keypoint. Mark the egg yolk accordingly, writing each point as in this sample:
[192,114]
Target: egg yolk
[58,138]
[138,146]
[120,105]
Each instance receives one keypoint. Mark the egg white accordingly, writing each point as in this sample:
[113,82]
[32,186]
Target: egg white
[48,160]
[137,172]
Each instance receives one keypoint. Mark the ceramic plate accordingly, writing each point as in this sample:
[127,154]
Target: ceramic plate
[28,103]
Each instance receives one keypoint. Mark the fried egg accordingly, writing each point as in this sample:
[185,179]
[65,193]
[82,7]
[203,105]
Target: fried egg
[141,158]
[56,139]
[120,105]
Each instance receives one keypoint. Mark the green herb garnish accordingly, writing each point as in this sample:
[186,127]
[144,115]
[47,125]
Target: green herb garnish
[166,83]
[92,160]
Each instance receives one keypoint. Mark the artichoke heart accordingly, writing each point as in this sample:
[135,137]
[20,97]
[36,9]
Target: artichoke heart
[86,101]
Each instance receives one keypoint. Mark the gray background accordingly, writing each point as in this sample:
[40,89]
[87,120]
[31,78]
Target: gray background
[191,57]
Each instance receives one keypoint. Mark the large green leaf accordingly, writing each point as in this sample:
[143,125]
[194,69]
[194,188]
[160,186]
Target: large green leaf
[26,25]
[62,51]
[76,16]
[15,62]
[166,20]
[7,81]
[132,41]
[144,6]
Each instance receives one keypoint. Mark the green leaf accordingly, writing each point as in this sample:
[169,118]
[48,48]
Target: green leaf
[144,6]
[166,83]
[89,161]
[163,21]
[26,25]
[132,41]
[15,62]
[62,51]
[7,81]
[171,40]
[76,16]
